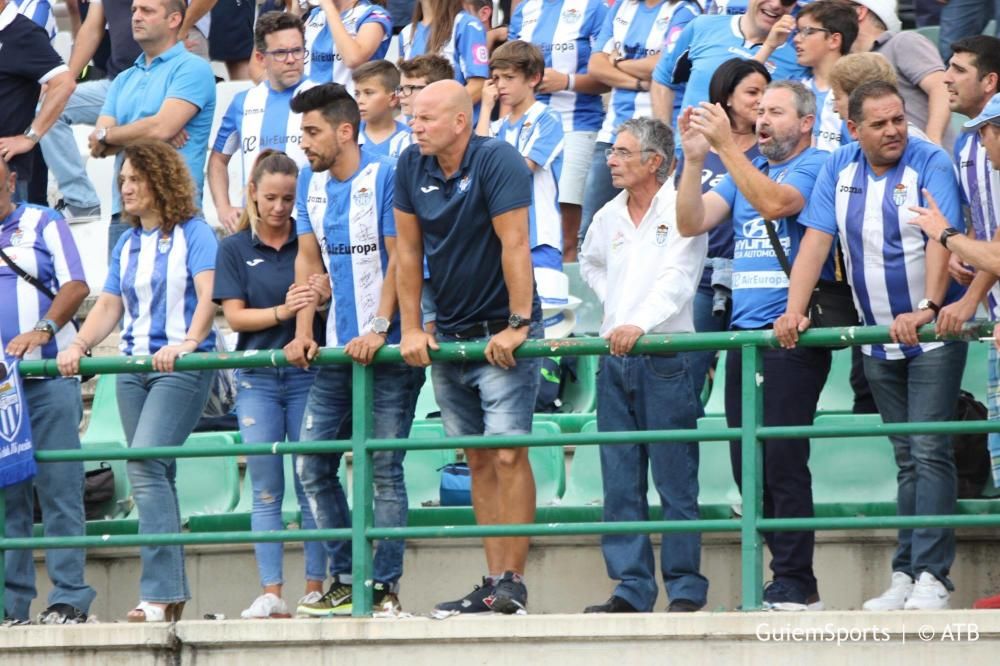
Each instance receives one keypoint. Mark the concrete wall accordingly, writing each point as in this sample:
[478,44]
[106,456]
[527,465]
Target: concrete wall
[564,574]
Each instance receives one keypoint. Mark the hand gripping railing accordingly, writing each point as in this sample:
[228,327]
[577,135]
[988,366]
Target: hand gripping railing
[362,445]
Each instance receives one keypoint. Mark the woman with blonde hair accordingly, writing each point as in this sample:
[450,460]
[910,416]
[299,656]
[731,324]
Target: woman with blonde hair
[254,282]
[159,286]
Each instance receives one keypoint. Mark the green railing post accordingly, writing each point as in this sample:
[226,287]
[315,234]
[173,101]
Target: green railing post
[751,546]
[362,416]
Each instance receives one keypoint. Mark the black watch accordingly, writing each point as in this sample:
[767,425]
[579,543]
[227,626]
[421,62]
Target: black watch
[946,234]
[516,321]
[928,304]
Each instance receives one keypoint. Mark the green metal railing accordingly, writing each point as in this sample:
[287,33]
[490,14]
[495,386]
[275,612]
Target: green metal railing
[750,525]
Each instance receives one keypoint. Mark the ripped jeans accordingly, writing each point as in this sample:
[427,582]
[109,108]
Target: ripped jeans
[328,417]
[269,405]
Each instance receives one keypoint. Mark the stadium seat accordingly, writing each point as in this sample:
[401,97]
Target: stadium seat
[207,485]
[931,32]
[584,486]
[579,394]
[104,424]
[548,463]
[590,312]
[422,468]
[717,490]
[426,402]
[852,475]
[716,404]
[976,375]
[837,396]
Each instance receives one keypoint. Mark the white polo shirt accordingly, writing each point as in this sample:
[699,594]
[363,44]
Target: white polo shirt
[645,275]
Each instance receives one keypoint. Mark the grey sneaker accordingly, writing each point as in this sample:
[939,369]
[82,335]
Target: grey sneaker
[62,614]
[78,214]
[14,622]
[511,595]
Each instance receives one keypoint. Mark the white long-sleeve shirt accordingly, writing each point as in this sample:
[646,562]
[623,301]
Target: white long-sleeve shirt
[645,275]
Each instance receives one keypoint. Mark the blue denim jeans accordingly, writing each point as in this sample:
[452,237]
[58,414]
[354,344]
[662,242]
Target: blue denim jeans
[964,18]
[160,409]
[55,411]
[328,416]
[477,398]
[269,405]
[922,388]
[650,392]
[59,146]
[598,190]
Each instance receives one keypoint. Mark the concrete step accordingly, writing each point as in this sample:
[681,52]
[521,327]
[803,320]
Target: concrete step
[819,639]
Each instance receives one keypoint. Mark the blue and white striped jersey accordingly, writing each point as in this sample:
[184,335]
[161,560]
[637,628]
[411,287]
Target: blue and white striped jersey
[706,43]
[154,274]
[631,31]
[566,32]
[466,49]
[884,255]
[258,119]
[829,131]
[39,241]
[538,136]
[351,220]
[323,63]
[39,11]
[980,189]
[391,147]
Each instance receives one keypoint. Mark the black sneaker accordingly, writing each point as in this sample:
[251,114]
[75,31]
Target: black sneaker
[612,605]
[480,600]
[336,601]
[780,595]
[510,595]
[62,614]
[683,606]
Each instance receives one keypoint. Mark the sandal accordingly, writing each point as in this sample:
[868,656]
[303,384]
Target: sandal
[148,612]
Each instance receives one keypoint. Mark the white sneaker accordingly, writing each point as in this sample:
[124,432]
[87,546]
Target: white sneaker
[895,597]
[928,594]
[266,606]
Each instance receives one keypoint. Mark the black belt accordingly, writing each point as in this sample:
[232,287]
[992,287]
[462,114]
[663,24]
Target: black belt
[480,329]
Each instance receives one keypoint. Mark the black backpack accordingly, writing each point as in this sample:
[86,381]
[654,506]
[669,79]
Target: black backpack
[972,456]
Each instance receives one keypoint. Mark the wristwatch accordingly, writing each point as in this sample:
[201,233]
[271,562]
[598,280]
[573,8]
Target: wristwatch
[516,321]
[946,234]
[102,135]
[380,325]
[46,325]
[32,134]
[928,304]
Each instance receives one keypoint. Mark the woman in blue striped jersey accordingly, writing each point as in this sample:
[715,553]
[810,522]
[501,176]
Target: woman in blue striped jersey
[159,285]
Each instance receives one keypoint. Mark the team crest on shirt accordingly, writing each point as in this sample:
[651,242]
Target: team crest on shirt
[662,22]
[899,195]
[16,237]
[661,235]
[571,15]
[362,197]
[10,409]
[463,185]
[163,244]
[617,242]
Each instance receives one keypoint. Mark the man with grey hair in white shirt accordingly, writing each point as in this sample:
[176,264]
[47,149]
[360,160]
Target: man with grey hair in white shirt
[646,275]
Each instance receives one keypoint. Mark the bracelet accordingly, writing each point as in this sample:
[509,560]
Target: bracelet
[570,81]
[194,340]
[277,319]
[80,342]
[638,84]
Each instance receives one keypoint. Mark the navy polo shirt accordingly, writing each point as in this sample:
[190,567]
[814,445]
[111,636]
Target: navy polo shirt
[259,275]
[456,220]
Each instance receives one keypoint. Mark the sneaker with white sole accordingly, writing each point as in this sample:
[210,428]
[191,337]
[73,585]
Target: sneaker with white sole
[928,594]
[900,588]
[310,598]
[266,606]
[78,214]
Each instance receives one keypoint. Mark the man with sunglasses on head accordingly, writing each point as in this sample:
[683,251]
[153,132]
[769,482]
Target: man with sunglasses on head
[260,118]
[709,41]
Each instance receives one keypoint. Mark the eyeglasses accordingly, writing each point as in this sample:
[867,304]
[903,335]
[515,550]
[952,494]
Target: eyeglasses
[809,31]
[282,55]
[407,90]
[624,153]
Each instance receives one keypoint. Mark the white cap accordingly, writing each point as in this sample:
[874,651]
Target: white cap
[557,303]
[885,10]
